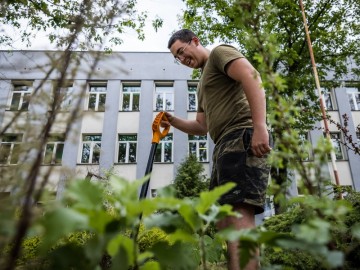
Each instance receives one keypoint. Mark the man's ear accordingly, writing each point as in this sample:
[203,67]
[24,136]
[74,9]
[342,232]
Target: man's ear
[196,41]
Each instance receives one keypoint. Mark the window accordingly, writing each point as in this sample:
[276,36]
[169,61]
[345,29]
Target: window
[164,149]
[192,98]
[10,148]
[354,98]
[131,98]
[305,147]
[20,96]
[198,147]
[97,97]
[64,95]
[54,149]
[127,148]
[153,192]
[91,146]
[328,97]
[164,98]
[337,145]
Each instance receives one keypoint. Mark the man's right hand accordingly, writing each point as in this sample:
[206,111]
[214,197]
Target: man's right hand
[167,123]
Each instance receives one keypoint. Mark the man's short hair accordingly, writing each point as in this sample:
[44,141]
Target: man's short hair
[184,35]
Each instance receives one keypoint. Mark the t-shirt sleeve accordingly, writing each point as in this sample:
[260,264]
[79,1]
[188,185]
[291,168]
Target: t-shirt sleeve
[224,54]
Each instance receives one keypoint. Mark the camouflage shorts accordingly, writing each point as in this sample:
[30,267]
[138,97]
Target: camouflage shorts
[233,161]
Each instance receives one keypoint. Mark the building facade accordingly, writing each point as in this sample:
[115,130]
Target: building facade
[116,97]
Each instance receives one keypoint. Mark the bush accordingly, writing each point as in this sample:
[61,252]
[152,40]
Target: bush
[341,238]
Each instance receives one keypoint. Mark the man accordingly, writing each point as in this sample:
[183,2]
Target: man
[232,108]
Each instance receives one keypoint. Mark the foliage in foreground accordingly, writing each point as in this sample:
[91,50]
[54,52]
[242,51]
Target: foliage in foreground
[97,226]
[339,226]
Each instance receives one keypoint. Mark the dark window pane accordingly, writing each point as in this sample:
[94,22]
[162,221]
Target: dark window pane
[96,153]
[159,103]
[25,103]
[59,153]
[49,153]
[15,154]
[122,153]
[132,152]
[158,153]
[5,149]
[102,100]
[136,102]
[85,153]
[92,101]
[167,152]
[192,102]
[192,148]
[15,102]
[126,102]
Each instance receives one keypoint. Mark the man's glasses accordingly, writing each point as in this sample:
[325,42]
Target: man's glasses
[180,53]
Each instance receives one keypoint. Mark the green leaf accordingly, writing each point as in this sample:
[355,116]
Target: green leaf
[179,256]
[86,194]
[121,241]
[315,230]
[210,197]
[356,230]
[151,265]
[181,235]
[213,249]
[59,223]
[168,222]
[190,216]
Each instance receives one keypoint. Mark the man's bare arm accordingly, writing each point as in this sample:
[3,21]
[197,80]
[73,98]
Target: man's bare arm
[193,127]
[242,71]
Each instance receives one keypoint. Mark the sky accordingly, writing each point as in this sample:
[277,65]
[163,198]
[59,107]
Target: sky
[168,10]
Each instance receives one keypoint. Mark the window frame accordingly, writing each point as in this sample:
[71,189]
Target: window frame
[193,91]
[131,85]
[164,93]
[127,148]
[66,95]
[339,143]
[97,96]
[353,94]
[93,144]
[56,140]
[13,144]
[25,95]
[161,147]
[329,95]
[195,139]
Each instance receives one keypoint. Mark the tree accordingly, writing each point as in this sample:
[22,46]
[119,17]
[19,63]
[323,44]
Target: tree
[96,22]
[271,35]
[190,180]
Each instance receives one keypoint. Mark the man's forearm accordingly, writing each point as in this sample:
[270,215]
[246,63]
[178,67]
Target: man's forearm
[193,127]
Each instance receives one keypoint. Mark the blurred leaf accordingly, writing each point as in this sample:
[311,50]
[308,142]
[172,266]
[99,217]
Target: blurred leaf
[210,197]
[151,265]
[190,216]
[59,223]
[179,256]
[356,230]
[86,194]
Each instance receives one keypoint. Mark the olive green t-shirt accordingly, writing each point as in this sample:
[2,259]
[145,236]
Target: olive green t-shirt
[221,98]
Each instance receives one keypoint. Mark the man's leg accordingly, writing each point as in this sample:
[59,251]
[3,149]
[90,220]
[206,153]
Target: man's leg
[247,221]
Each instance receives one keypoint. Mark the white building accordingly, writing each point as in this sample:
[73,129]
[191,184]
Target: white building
[117,103]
